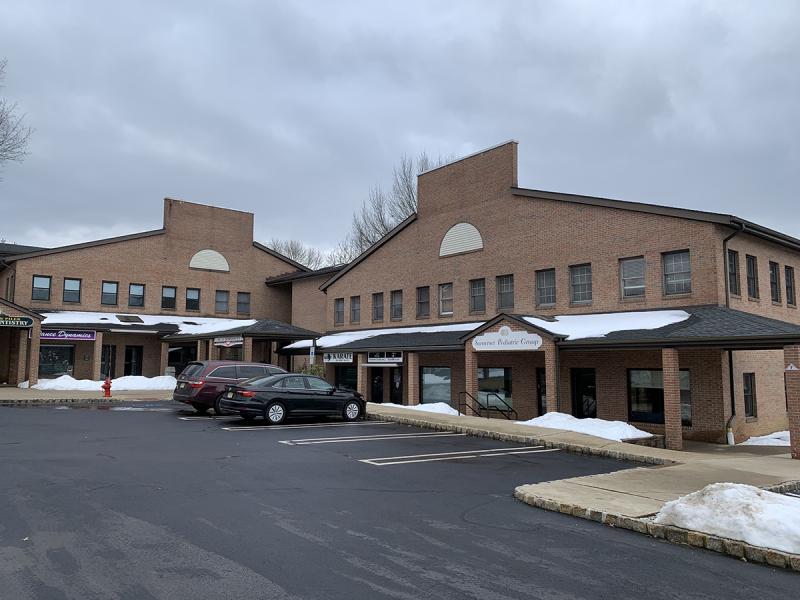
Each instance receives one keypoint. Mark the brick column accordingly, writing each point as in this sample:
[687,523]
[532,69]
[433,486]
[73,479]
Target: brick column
[672,399]
[22,356]
[213,351]
[33,353]
[791,356]
[202,349]
[247,349]
[551,376]
[471,377]
[97,357]
[412,396]
[164,361]
[361,375]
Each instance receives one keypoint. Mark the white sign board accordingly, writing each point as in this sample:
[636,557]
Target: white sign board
[337,357]
[229,341]
[384,357]
[506,339]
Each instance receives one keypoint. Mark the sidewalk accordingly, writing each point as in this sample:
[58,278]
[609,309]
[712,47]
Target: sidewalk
[14,396]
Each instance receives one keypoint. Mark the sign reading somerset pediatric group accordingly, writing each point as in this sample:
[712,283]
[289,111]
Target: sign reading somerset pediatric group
[69,334]
[9,321]
[337,357]
[229,341]
[506,339]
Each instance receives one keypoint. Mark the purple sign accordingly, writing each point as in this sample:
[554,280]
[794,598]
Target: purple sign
[68,334]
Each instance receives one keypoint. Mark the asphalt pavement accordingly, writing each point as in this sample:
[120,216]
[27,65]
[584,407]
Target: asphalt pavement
[149,501]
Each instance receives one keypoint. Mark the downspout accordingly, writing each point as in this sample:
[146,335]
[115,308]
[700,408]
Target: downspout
[729,424]
[558,375]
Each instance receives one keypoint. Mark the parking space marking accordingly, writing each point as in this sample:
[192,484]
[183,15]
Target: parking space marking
[368,438]
[309,426]
[437,456]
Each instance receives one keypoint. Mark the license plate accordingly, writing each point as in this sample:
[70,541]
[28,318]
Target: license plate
[230,395]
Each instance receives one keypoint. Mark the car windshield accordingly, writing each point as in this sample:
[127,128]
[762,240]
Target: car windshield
[191,369]
[260,381]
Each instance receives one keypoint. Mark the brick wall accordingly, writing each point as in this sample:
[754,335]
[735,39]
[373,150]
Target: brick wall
[308,303]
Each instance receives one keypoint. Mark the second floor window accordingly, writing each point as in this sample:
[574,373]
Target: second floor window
[733,273]
[168,295]
[396,305]
[377,306]
[72,290]
[136,294]
[580,281]
[546,287]
[221,301]
[445,299]
[775,281]
[338,311]
[791,297]
[677,272]
[423,302]
[477,295]
[109,293]
[243,303]
[41,288]
[192,299]
[505,291]
[631,274]
[752,276]
[355,309]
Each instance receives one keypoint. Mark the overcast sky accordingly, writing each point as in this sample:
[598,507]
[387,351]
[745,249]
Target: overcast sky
[293,110]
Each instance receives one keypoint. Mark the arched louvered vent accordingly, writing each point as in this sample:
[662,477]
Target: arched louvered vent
[210,260]
[461,237]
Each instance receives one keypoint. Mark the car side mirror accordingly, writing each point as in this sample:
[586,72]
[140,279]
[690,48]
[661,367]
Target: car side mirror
[331,390]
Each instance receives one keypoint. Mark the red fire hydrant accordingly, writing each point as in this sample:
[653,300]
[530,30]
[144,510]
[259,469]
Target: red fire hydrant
[106,388]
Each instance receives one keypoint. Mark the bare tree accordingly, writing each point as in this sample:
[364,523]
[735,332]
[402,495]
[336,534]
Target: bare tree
[14,134]
[298,252]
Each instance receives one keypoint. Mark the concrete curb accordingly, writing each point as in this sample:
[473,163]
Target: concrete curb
[676,535]
[74,402]
[630,456]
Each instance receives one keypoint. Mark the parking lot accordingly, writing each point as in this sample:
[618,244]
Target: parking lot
[152,501]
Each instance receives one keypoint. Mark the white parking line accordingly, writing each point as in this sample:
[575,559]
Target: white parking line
[367,438]
[198,418]
[417,458]
[314,426]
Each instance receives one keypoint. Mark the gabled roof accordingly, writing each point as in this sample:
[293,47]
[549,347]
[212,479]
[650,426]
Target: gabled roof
[286,259]
[364,255]
[22,309]
[92,244]
[12,249]
[294,276]
[263,328]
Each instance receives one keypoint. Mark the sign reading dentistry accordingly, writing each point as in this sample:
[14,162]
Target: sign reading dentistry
[9,321]
[69,334]
[506,339]
[229,341]
[337,357]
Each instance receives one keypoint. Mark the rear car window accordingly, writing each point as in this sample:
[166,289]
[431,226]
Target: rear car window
[315,383]
[249,371]
[294,382]
[224,372]
[191,370]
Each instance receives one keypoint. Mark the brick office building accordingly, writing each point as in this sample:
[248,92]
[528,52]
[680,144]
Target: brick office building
[137,304]
[496,296]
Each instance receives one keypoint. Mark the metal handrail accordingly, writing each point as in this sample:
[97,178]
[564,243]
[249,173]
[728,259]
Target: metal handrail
[507,412]
[466,404]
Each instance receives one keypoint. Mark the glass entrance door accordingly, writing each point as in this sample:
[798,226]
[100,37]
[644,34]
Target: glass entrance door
[376,384]
[396,390]
[108,361]
[133,360]
[584,394]
[541,390]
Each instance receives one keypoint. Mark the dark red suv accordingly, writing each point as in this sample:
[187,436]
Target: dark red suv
[202,383]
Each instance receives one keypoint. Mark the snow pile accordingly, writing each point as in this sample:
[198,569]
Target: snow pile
[739,512]
[345,337]
[120,384]
[778,438]
[186,325]
[610,430]
[576,327]
[441,408]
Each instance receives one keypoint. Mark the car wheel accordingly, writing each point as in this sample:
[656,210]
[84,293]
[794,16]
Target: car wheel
[275,413]
[217,409]
[200,408]
[352,411]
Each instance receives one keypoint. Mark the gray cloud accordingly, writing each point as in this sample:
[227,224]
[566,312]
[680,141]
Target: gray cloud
[293,110]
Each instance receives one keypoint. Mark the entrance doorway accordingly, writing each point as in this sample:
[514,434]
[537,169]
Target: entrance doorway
[396,390]
[376,385]
[108,361]
[541,390]
[584,393]
[133,360]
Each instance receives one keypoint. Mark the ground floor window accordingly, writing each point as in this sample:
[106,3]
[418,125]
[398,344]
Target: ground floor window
[134,356]
[494,386]
[55,361]
[345,377]
[232,353]
[434,385]
[646,396]
[750,407]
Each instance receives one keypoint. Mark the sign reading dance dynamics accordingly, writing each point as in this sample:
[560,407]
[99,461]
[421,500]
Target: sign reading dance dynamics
[506,339]
[69,334]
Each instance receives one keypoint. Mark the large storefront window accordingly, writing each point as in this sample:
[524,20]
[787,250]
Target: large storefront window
[646,396]
[345,377]
[55,361]
[434,385]
[494,387]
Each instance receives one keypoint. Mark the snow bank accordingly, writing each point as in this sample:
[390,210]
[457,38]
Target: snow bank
[610,430]
[120,384]
[778,438]
[739,512]
[345,337]
[576,327]
[441,408]
[186,325]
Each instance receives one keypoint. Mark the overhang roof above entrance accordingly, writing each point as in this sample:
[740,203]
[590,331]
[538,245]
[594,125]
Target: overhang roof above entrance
[16,307]
[160,323]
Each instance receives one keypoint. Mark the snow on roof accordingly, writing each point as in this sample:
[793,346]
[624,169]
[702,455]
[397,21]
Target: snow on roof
[186,325]
[577,327]
[345,337]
